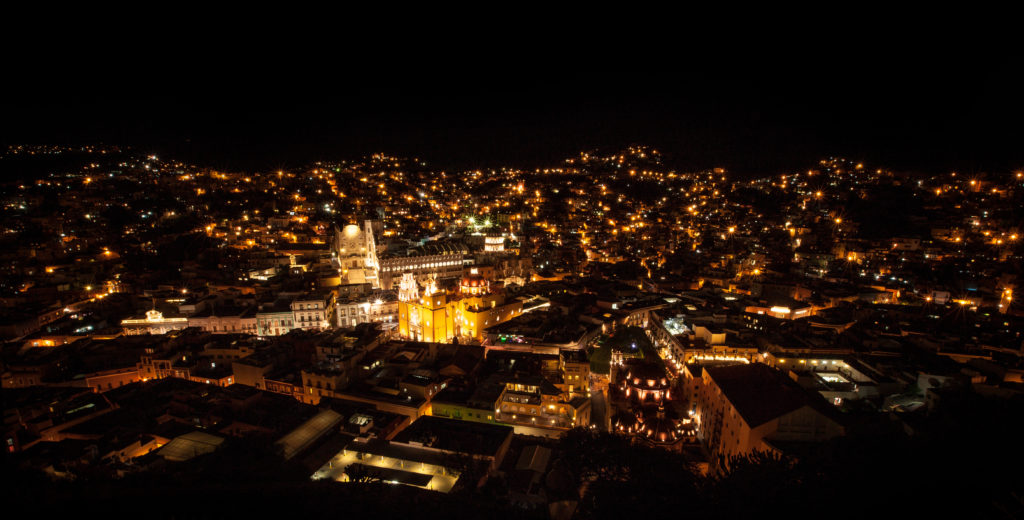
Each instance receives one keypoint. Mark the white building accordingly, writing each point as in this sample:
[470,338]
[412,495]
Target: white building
[367,309]
[154,323]
[313,312]
[356,254]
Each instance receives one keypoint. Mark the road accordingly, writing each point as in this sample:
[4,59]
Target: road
[599,411]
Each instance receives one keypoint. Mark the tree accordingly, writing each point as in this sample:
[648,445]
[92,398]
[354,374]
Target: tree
[620,479]
[361,474]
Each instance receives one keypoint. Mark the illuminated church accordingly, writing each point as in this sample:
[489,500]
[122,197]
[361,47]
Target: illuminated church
[356,254]
[442,316]
[643,399]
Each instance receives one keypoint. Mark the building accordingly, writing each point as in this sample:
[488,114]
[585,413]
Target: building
[576,370]
[434,262]
[356,253]
[323,379]
[543,400]
[432,453]
[275,319]
[313,312]
[836,377]
[225,320]
[153,323]
[535,401]
[786,309]
[747,408]
[381,308]
[642,403]
[494,243]
[441,317]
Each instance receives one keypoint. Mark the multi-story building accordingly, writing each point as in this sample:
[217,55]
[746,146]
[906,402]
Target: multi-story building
[322,380]
[440,317]
[576,372]
[153,323]
[535,404]
[437,262]
[535,401]
[154,365]
[356,253]
[313,311]
[225,320]
[494,243]
[276,319]
[368,308]
[422,455]
[747,408]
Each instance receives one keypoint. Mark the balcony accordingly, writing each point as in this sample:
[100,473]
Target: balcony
[520,398]
[544,420]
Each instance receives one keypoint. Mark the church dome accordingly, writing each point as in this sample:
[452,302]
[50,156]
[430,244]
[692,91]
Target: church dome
[474,283]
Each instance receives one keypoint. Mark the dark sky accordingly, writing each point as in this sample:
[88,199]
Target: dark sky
[935,109]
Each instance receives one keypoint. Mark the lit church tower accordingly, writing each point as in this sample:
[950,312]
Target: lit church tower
[441,316]
[372,264]
[427,318]
[356,253]
[408,290]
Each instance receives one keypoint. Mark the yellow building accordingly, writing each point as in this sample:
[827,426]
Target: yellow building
[576,370]
[440,317]
[535,401]
[430,318]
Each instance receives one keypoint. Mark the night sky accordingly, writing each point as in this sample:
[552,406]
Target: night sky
[934,110]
